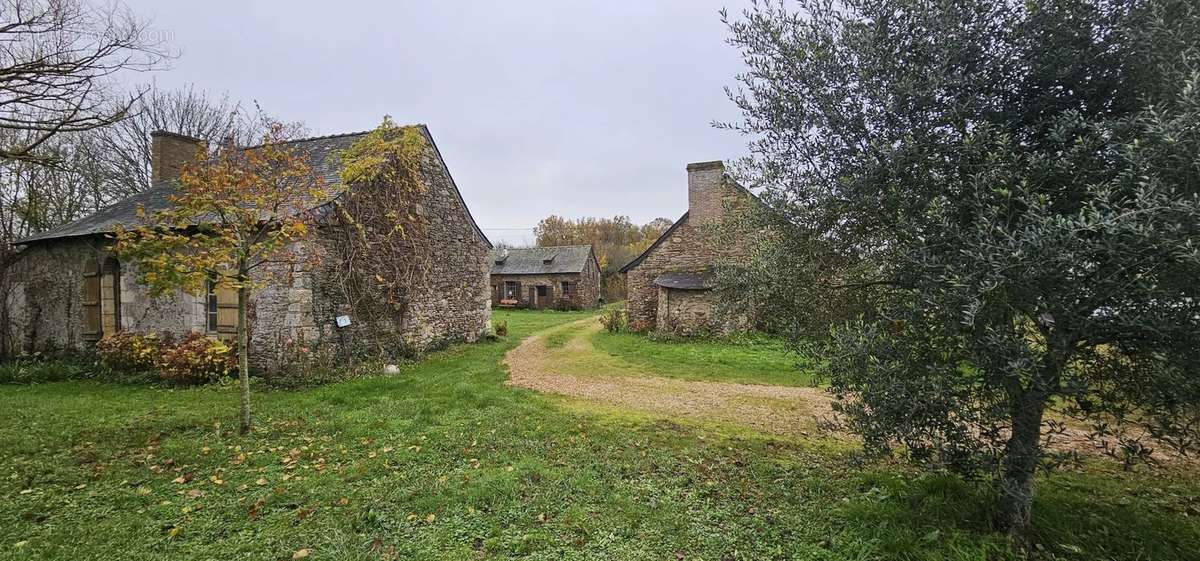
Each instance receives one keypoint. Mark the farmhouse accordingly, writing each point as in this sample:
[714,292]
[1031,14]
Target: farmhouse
[67,290]
[546,277]
[670,284]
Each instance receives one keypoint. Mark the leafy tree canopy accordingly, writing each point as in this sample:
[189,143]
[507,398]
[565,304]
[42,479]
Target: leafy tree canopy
[983,210]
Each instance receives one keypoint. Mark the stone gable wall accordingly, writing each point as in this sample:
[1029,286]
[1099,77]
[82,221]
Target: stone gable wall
[692,247]
[449,303]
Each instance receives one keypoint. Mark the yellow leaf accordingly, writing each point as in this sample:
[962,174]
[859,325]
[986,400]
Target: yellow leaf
[430,518]
[301,553]
[261,481]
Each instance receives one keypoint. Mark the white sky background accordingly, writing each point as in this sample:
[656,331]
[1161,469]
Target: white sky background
[557,107]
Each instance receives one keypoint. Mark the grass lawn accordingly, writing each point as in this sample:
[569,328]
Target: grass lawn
[444,461]
[748,359]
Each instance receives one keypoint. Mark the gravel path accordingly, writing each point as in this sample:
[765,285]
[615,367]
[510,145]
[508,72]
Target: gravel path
[774,409]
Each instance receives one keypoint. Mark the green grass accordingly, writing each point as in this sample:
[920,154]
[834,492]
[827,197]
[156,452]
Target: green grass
[446,462]
[752,359]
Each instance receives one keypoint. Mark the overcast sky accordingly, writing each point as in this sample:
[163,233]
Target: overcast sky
[555,107]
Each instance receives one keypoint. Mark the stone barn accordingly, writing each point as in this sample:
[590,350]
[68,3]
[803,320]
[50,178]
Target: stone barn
[546,277]
[67,290]
[670,284]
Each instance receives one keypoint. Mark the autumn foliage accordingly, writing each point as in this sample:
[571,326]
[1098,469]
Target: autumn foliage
[233,214]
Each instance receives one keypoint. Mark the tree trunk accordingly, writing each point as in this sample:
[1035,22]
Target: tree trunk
[243,361]
[1023,452]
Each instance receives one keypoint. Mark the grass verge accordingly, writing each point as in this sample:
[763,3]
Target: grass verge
[444,461]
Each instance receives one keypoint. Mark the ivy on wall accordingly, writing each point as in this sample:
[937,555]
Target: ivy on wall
[380,254]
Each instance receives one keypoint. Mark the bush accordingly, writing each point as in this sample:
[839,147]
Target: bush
[196,360]
[36,369]
[129,352]
[614,320]
[500,328]
[566,305]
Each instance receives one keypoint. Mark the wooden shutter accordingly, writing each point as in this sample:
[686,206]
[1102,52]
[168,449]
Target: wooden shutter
[227,308]
[110,297]
[91,301]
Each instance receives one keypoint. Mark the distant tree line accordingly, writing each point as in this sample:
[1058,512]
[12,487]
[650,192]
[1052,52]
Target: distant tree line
[615,240]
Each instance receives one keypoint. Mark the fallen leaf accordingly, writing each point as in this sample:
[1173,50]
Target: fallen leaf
[429,519]
[195,493]
[342,501]
[260,481]
[301,553]
[256,508]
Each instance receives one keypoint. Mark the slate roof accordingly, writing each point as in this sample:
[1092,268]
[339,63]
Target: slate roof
[685,280]
[541,260]
[321,150]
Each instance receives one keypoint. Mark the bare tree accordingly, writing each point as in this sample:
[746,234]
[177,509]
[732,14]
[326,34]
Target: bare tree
[56,61]
[125,164]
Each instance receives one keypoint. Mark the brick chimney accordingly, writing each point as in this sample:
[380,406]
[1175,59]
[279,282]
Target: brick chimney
[169,152]
[706,192]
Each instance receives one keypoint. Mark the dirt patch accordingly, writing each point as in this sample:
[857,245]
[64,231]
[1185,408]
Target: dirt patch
[774,409]
[577,370]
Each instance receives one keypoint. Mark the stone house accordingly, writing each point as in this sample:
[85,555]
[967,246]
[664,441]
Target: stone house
[670,284]
[546,277]
[66,290]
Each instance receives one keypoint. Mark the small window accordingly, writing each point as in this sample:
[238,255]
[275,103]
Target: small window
[512,290]
[211,307]
[566,289]
[542,290]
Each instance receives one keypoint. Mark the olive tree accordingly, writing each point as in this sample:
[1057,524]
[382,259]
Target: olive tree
[984,220]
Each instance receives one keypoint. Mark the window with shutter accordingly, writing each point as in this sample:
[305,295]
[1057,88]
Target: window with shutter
[110,296]
[221,310]
[92,328]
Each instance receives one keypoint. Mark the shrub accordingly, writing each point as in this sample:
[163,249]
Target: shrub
[614,320]
[500,328]
[36,369]
[196,360]
[128,352]
[566,305]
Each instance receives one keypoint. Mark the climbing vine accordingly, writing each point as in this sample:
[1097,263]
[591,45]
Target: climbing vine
[380,252]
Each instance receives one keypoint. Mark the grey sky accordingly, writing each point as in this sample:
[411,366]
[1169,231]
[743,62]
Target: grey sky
[571,108]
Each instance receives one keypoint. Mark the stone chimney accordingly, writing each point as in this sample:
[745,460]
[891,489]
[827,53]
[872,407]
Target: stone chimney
[169,152]
[706,192]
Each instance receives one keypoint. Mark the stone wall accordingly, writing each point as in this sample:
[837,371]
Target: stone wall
[296,305]
[45,299]
[584,296]
[684,312]
[691,246]
[448,303]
